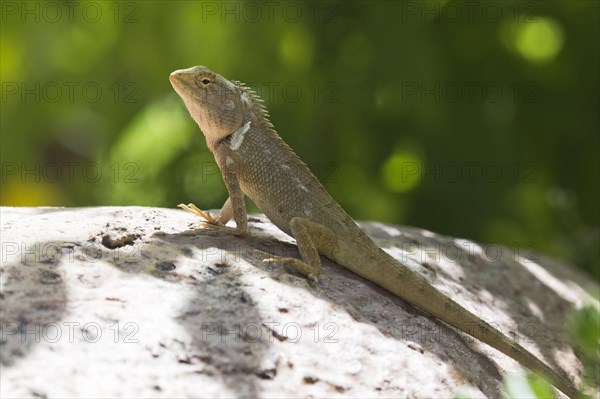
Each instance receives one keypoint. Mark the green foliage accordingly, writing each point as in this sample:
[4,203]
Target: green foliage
[584,326]
[481,124]
[520,387]
[530,386]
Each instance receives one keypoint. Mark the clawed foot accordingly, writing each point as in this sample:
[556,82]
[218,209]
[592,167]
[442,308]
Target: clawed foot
[196,211]
[300,266]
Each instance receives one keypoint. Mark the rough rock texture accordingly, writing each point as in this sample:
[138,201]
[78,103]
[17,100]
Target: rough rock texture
[148,302]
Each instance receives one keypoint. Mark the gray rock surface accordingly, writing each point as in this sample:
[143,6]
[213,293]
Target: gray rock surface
[149,302]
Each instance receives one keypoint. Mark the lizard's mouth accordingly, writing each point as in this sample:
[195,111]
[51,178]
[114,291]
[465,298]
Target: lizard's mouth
[176,79]
[180,84]
[180,80]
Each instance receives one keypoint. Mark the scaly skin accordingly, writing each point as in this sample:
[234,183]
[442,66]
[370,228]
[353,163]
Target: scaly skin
[255,162]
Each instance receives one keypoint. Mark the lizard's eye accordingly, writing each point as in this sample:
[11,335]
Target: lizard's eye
[206,81]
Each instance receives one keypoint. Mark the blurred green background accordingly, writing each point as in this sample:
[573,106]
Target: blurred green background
[475,119]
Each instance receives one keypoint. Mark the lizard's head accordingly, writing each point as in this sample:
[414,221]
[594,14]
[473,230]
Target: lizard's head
[217,105]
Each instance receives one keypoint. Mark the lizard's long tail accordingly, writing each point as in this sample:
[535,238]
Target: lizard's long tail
[403,282]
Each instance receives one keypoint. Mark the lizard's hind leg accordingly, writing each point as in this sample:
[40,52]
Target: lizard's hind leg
[312,238]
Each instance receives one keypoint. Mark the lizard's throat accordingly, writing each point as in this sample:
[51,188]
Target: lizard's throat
[237,137]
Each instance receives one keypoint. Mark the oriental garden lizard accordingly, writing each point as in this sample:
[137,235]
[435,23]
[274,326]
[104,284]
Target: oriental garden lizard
[255,162]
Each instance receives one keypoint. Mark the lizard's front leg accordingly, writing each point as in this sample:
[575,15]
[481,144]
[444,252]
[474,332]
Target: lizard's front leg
[312,239]
[234,207]
[222,218]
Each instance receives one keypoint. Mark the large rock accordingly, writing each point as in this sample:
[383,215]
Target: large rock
[148,302]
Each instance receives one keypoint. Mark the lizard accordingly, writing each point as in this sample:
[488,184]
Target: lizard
[255,162]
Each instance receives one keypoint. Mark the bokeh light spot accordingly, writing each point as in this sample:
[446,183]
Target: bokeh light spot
[401,172]
[539,41]
[297,47]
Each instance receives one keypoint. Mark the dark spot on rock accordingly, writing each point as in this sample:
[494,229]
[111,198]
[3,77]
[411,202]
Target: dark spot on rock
[167,276]
[310,380]
[283,310]
[245,298]
[339,388]
[187,252]
[276,335]
[165,266]
[110,298]
[37,394]
[50,277]
[205,358]
[184,359]
[218,269]
[428,265]
[267,374]
[113,243]
[415,348]
[49,260]
[279,336]
[44,306]
[412,240]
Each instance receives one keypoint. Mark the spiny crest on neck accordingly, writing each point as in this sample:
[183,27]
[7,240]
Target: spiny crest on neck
[264,120]
[257,103]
